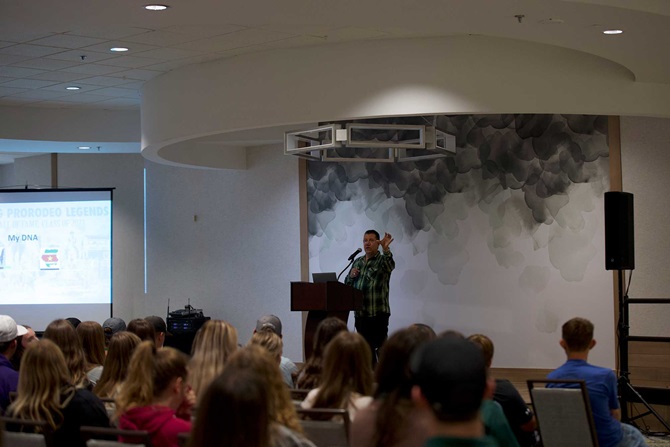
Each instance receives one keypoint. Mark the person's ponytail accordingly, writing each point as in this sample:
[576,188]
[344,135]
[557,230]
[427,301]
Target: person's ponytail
[138,388]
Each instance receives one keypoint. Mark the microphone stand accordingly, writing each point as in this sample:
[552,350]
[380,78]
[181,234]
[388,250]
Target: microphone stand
[348,265]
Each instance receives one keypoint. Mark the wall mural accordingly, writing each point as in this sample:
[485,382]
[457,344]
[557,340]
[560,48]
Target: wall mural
[504,238]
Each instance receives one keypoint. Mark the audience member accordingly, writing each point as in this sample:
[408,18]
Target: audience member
[270,341]
[112,326]
[427,330]
[520,418]
[245,397]
[9,377]
[121,348]
[63,334]
[577,341]
[392,419]
[160,329]
[92,339]
[22,343]
[450,382]
[346,379]
[155,396]
[310,374]
[214,343]
[74,321]
[256,359]
[286,366]
[143,329]
[46,393]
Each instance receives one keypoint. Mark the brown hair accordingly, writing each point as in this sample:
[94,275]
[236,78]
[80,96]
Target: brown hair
[92,339]
[254,358]
[213,345]
[310,374]
[577,334]
[121,348]
[143,329]
[63,334]
[268,339]
[149,374]
[486,345]
[43,381]
[346,370]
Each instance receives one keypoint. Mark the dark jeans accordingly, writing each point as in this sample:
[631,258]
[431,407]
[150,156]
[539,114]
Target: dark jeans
[375,331]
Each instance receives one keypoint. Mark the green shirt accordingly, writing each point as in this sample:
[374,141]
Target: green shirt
[373,280]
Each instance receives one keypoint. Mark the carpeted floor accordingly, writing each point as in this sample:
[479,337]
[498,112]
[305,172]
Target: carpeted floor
[658,441]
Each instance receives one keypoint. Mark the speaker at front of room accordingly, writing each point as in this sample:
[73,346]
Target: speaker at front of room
[619,234]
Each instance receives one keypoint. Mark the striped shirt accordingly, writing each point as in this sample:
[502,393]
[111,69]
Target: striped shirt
[373,280]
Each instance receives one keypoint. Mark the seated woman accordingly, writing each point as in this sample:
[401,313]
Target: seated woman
[92,339]
[244,393]
[155,396]
[310,374]
[121,348]
[346,379]
[267,339]
[63,334]
[46,393]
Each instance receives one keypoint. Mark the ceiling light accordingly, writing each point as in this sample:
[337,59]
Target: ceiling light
[613,31]
[72,87]
[83,148]
[118,49]
[156,7]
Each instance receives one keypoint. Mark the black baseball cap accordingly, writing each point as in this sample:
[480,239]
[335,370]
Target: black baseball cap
[158,323]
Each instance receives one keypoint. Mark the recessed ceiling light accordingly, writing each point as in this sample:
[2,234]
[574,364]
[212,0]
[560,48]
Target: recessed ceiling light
[118,49]
[156,7]
[613,31]
[72,87]
[83,148]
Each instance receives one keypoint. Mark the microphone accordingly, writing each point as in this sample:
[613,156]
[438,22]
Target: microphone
[353,255]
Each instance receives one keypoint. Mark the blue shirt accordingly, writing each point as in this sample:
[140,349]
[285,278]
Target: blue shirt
[9,381]
[601,385]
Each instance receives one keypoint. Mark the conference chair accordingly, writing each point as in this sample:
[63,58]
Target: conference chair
[25,433]
[325,427]
[109,437]
[563,413]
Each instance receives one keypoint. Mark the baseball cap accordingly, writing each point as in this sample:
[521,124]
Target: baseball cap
[269,321]
[158,323]
[451,373]
[9,330]
[113,325]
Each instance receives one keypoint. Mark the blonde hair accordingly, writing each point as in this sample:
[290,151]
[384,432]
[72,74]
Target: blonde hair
[254,358]
[43,380]
[269,340]
[63,334]
[213,344]
[150,374]
[92,338]
[121,348]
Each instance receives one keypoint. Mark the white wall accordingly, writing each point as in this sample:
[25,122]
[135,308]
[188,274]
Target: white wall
[645,143]
[228,240]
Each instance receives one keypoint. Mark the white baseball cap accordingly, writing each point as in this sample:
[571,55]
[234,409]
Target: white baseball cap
[9,330]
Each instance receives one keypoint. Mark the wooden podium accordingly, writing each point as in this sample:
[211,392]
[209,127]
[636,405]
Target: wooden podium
[323,300]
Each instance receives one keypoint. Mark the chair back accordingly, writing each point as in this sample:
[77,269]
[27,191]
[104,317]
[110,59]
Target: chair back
[25,433]
[325,427]
[299,394]
[563,413]
[109,437]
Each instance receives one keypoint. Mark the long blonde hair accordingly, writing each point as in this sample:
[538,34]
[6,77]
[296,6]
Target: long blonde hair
[63,334]
[213,344]
[92,338]
[121,348]
[269,340]
[44,385]
[149,374]
[254,358]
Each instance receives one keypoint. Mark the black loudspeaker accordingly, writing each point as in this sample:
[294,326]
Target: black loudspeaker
[619,232]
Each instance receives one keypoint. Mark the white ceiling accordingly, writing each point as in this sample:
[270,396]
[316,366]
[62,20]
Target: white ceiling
[48,45]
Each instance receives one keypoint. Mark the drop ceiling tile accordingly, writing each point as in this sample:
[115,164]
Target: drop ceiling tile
[171,65]
[136,85]
[354,33]
[12,101]
[58,76]
[110,33]
[19,72]
[237,39]
[28,83]
[202,31]
[130,61]
[8,59]
[41,95]
[103,81]
[116,92]
[121,102]
[160,38]
[67,41]
[7,91]
[139,75]
[61,88]
[19,33]
[6,44]
[75,56]
[93,69]
[169,54]
[132,48]
[83,98]
[26,49]
[45,64]
[5,79]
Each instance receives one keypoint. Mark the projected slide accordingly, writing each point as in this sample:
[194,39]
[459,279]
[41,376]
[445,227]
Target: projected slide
[55,248]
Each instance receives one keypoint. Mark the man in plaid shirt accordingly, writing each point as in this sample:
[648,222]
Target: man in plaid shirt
[371,275]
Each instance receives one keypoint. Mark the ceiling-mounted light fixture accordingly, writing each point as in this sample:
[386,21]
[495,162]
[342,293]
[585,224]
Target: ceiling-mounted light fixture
[156,7]
[611,32]
[118,49]
[83,148]
[72,87]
